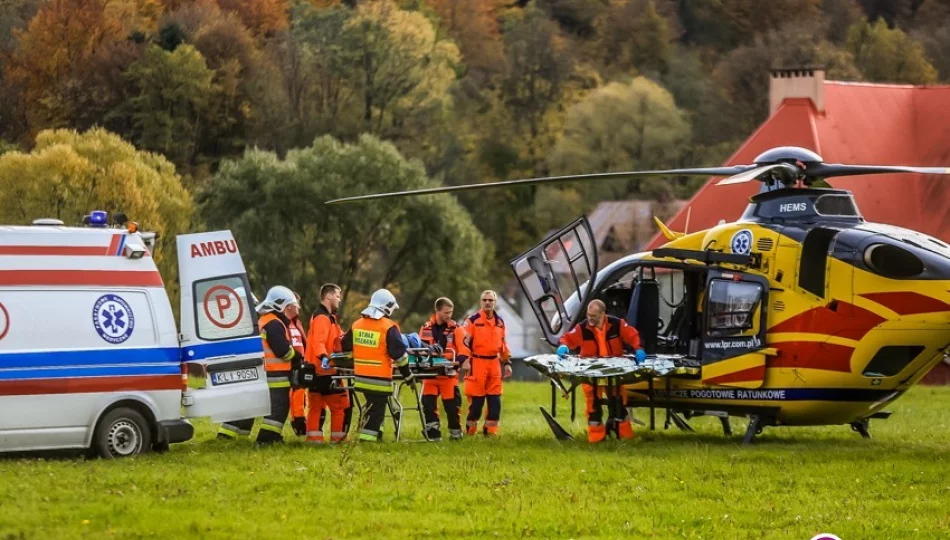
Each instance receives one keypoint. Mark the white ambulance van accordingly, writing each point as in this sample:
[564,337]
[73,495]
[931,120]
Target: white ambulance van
[90,355]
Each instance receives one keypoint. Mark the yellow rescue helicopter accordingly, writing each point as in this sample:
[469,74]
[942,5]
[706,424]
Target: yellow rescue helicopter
[800,313]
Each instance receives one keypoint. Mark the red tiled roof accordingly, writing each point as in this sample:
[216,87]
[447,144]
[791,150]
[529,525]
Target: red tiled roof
[867,124]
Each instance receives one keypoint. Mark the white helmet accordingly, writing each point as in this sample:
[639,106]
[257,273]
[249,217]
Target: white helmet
[382,303]
[278,298]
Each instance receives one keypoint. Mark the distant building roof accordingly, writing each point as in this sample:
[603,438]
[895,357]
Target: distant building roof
[621,227]
[861,123]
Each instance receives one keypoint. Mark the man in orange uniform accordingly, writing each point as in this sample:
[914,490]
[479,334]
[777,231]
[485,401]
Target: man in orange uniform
[485,338]
[298,395]
[441,330]
[603,335]
[325,339]
[378,347]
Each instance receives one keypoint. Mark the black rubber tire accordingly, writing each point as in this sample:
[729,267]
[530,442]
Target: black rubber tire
[122,432]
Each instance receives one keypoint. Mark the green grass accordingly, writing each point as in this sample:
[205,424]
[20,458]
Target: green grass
[794,483]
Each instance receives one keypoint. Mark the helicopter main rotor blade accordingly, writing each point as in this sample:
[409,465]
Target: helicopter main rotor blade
[824,170]
[752,174]
[708,171]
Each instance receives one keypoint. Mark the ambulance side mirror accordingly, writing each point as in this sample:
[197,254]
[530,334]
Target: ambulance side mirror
[134,251]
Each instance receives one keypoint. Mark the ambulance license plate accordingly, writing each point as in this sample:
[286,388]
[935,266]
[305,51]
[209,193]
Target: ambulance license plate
[234,376]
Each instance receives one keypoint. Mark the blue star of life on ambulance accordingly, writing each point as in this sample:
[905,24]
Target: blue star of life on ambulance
[113,319]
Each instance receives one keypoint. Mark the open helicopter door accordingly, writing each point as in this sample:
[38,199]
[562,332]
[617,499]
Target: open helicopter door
[734,309]
[555,276]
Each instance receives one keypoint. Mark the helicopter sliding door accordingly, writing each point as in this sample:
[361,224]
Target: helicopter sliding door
[555,276]
[734,329]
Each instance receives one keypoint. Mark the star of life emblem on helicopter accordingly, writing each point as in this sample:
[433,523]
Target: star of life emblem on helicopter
[113,318]
[741,242]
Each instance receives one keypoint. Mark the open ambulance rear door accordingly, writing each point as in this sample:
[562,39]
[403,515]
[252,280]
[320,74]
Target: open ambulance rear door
[220,341]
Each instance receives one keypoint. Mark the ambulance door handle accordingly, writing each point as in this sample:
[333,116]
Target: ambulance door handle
[214,358]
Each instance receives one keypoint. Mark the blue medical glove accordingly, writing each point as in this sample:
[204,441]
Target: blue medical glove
[562,351]
[641,356]
[324,362]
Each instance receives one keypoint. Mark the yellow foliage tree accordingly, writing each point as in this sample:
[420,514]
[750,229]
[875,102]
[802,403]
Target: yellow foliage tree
[69,174]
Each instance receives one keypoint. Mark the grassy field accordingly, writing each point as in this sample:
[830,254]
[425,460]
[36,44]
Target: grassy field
[794,483]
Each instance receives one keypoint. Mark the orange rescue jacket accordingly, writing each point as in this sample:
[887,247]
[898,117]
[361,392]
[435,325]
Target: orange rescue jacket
[372,365]
[271,361]
[485,337]
[616,334]
[451,337]
[324,339]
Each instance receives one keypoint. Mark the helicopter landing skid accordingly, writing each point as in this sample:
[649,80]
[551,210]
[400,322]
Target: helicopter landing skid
[673,417]
[756,424]
[861,427]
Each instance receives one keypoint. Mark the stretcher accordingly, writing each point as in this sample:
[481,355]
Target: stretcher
[422,365]
[612,372]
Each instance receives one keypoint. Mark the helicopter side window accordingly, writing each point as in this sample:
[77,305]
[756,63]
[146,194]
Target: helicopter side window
[731,306]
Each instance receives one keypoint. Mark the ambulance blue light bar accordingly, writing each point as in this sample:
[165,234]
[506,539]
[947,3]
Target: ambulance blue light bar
[98,218]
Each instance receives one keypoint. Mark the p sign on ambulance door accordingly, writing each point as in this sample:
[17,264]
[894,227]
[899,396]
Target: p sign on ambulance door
[221,344]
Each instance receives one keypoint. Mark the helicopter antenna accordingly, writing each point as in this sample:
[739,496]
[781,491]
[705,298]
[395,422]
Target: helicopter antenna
[689,209]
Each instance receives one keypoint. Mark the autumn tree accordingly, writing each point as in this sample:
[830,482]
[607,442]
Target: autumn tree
[403,68]
[420,248]
[932,29]
[231,53]
[889,55]
[539,66]
[744,72]
[891,11]
[574,16]
[727,24]
[319,65]
[54,52]
[622,126]
[171,100]
[263,17]
[633,35]
[473,24]
[840,14]
[67,174]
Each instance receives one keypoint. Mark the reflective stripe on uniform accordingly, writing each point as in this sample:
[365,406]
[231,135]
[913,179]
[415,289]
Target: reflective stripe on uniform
[232,431]
[369,435]
[272,425]
[374,384]
[278,380]
[337,435]
[367,362]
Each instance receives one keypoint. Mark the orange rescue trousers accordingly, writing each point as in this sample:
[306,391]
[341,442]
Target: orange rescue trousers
[340,414]
[483,385]
[448,388]
[596,428]
[298,409]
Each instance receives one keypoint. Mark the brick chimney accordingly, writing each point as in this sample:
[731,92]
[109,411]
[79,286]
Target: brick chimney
[805,82]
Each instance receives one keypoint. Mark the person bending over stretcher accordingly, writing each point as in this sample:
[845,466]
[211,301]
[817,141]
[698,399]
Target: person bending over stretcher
[599,336]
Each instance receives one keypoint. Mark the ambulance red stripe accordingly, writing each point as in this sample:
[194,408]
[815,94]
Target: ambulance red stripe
[53,250]
[85,385]
[114,245]
[81,277]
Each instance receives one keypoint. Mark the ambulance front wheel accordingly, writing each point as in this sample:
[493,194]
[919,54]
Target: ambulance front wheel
[122,432]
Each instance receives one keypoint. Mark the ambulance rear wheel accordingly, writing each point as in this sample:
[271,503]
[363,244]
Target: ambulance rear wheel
[122,432]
